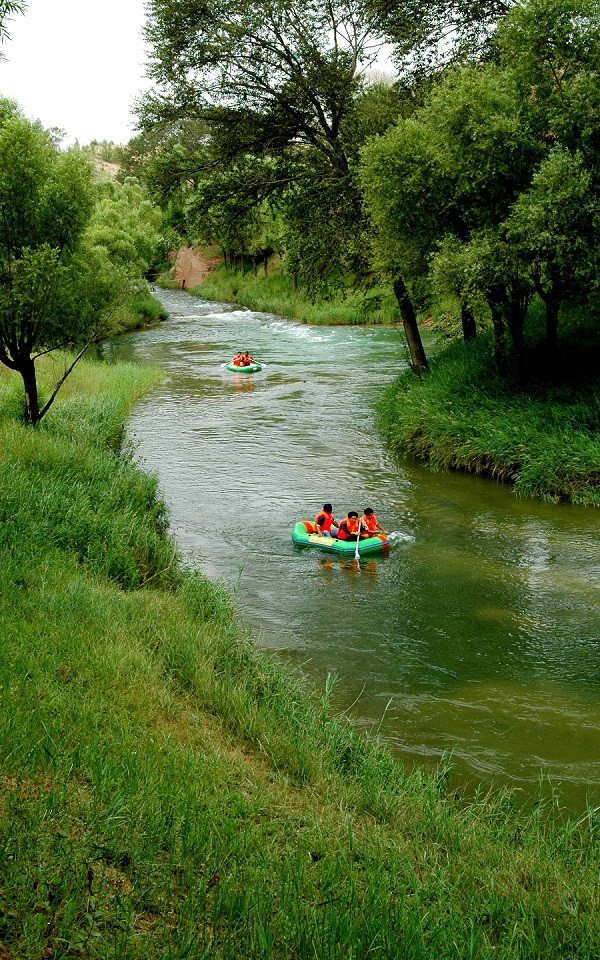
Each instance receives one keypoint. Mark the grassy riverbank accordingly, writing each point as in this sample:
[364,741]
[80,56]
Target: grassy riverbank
[273,293]
[166,790]
[139,309]
[461,415]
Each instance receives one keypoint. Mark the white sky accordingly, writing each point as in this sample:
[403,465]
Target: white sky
[77,65]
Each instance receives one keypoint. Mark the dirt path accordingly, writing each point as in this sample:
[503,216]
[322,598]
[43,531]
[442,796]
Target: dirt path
[191,267]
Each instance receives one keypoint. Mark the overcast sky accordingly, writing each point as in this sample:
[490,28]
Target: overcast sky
[77,65]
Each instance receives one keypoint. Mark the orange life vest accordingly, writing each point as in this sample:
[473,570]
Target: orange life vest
[369,523]
[327,521]
[347,528]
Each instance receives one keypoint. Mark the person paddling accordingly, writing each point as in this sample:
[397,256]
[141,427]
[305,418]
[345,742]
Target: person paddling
[247,359]
[350,528]
[369,523]
[238,360]
[324,521]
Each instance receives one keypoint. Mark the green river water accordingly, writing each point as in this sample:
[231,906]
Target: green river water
[477,637]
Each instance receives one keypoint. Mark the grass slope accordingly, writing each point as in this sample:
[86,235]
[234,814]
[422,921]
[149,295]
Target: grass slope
[274,293]
[167,790]
[461,415]
[139,309]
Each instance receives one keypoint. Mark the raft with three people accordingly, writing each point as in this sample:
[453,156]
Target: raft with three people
[304,534]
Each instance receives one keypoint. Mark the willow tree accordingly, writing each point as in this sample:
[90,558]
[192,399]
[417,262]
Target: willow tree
[52,293]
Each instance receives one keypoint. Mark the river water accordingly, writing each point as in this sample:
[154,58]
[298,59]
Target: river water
[477,637]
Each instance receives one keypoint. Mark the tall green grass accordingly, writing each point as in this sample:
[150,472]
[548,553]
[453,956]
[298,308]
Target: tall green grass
[168,790]
[274,293]
[139,309]
[544,440]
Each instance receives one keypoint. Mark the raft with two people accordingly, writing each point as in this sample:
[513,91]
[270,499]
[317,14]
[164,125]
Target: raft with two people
[244,363]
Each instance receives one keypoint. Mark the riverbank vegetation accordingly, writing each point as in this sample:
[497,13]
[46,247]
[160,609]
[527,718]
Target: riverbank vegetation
[461,414]
[471,176]
[169,790]
[272,291]
[72,252]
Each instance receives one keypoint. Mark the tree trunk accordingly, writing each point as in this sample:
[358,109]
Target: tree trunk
[32,408]
[265,263]
[552,311]
[499,341]
[517,311]
[225,260]
[294,281]
[254,266]
[413,336]
[468,323]
[552,301]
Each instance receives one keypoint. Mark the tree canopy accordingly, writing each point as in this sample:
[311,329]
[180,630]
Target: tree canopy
[494,179]
[56,281]
[278,91]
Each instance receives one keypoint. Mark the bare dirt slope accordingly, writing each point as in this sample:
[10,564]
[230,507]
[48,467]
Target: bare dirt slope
[191,267]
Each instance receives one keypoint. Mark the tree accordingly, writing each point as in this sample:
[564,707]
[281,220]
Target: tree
[555,227]
[275,85]
[432,35]
[453,169]
[126,223]
[283,72]
[51,294]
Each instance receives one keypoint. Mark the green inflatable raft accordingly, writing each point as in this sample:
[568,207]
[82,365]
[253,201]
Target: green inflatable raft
[304,535]
[249,368]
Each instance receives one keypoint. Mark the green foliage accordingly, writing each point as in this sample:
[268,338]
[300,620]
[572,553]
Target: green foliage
[8,8]
[278,89]
[555,224]
[462,415]
[48,293]
[491,184]
[274,293]
[431,35]
[126,224]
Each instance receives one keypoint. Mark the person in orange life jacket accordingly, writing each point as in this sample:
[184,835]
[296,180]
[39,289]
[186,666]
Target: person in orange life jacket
[324,521]
[247,359]
[348,529]
[237,360]
[369,522]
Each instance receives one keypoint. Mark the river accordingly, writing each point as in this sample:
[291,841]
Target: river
[477,637]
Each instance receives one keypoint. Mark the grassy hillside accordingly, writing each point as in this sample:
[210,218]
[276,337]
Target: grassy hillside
[544,440]
[167,790]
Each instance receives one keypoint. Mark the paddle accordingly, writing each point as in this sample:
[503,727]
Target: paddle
[357,539]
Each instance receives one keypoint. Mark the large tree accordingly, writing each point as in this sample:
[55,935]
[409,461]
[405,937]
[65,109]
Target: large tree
[276,87]
[52,290]
[271,73]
